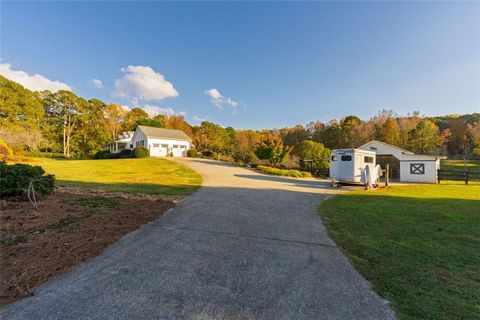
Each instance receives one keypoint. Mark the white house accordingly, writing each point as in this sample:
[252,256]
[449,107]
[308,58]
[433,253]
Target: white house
[123,142]
[160,141]
[413,167]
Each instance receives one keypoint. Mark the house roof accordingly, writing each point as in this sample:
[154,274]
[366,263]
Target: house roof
[126,135]
[162,133]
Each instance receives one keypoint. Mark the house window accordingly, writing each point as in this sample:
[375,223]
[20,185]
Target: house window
[156,145]
[368,159]
[176,146]
[334,158]
[131,146]
[346,158]
[417,168]
[164,145]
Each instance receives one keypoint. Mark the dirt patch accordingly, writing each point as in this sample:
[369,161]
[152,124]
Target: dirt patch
[68,228]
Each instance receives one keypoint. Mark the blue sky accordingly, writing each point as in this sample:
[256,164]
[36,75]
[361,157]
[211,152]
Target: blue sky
[271,64]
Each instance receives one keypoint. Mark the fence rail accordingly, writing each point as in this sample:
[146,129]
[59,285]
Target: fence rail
[458,175]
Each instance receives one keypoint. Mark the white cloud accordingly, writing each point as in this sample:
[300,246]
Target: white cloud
[97,83]
[156,110]
[34,82]
[198,119]
[219,100]
[143,83]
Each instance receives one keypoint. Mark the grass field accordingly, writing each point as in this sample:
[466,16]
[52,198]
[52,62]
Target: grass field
[418,245]
[459,164]
[148,175]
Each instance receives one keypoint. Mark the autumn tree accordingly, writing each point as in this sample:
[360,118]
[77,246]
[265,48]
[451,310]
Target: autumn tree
[405,125]
[347,131]
[315,130]
[388,131]
[92,133]
[293,136]
[132,117]
[424,138]
[245,145]
[114,116]
[149,122]
[209,137]
[62,109]
[21,115]
[178,122]
[272,151]
[312,150]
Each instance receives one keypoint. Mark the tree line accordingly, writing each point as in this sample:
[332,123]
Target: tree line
[62,122]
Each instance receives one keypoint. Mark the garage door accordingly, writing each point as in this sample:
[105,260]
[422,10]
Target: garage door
[179,150]
[159,150]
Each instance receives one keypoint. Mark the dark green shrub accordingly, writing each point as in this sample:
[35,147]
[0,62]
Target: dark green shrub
[41,154]
[125,153]
[192,153]
[207,153]
[104,154]
[14,179]
[141,152]
[210,154]
[284,172]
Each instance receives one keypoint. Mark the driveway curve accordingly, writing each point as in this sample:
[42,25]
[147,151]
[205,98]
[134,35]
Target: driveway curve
[245,246]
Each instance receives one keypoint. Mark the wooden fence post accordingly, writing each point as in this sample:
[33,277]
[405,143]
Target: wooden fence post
[466,177]
[387,174]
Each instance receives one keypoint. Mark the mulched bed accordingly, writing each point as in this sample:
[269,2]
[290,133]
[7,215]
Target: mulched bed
[69,227]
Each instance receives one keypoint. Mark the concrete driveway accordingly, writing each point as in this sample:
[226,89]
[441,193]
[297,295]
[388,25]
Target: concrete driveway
[245,246]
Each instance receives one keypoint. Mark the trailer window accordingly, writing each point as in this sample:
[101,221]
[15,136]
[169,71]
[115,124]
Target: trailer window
[368,159]
[334,158]
[346,158]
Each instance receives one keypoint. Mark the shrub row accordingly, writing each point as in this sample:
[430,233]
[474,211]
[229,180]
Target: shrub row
[284,172]
[40,154]
[138,152]
[14,180]
[210,155]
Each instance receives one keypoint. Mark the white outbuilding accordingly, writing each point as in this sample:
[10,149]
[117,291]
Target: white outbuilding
[413,167]
[160,141]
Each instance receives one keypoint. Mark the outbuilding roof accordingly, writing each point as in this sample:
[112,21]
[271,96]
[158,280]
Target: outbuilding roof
[382,148]
[162,133]
[385,145]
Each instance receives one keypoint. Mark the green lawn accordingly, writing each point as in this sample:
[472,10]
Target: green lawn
[459,164]
[148,175]
[418,245]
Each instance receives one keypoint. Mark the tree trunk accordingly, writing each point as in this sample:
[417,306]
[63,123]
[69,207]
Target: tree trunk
[64,137]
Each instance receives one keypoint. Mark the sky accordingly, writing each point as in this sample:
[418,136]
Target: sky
[250,64]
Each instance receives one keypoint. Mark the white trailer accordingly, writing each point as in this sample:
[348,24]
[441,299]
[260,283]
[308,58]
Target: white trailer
[348,165]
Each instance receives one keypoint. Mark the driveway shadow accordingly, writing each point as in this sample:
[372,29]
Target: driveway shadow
[216,163]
